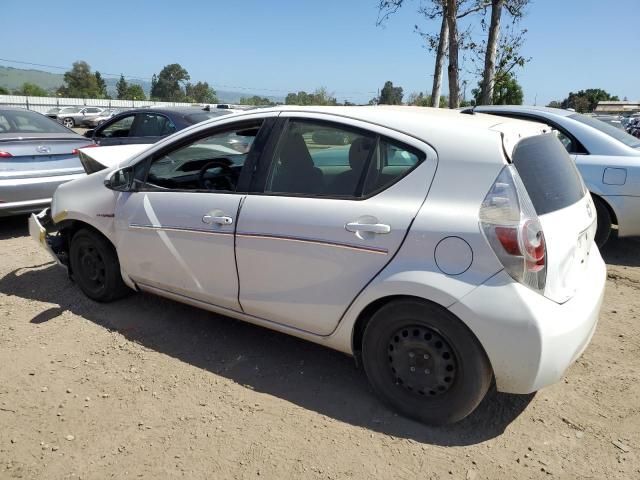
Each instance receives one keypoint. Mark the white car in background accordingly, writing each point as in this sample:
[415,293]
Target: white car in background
[440,249]
[607,157]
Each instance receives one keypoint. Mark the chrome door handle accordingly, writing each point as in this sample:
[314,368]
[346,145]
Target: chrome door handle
[367,227]
[220,220]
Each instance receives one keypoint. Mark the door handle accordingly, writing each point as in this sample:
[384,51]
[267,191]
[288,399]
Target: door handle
[379,228]
[220,220]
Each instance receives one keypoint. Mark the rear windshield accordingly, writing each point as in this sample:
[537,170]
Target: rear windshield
[24,121]
[615,132]
[548,172]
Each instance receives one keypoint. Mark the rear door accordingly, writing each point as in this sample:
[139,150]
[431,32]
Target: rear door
[331,207]
[150,127]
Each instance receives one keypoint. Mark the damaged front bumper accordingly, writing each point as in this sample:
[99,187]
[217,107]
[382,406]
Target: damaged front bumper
[42,230]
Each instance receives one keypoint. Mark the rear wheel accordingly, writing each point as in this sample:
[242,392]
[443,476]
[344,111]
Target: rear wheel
[424,362]
[603,232]
[95,267]
[69,122]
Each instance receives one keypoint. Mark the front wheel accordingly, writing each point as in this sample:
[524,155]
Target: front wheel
[424,362]
[95,267]
[69,122]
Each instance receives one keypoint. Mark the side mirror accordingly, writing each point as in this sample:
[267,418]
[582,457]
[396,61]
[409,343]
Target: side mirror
[89,133]
[121,180]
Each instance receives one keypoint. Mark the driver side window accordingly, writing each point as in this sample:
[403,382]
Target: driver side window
[211,164]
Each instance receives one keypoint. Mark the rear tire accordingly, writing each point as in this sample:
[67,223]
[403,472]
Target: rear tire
[95,267]
[603,232]
[69,122]
[424,362]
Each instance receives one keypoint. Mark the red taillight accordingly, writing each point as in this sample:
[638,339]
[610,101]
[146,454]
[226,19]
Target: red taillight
[75,151]
[5,155]
[508,237]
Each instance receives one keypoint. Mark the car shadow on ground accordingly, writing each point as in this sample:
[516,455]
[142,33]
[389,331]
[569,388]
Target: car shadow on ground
[12,227]
[622,251]
[294,370]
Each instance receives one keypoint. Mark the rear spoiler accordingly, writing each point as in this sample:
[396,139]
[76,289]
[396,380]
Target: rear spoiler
[96,159]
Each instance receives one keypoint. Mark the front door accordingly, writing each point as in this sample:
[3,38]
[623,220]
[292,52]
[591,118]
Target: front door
[335,206]
[176,234]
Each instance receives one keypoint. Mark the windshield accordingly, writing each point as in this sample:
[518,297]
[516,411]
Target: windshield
[617,133]
[70,110]
[19,121]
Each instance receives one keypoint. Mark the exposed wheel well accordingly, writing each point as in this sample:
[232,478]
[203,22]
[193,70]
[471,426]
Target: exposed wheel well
[68,229]
[614,219]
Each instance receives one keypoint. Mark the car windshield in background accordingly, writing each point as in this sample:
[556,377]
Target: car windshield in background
[202,116]
[617,133]
[70,110]
[15,121]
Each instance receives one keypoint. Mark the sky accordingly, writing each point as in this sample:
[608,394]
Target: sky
[272,47]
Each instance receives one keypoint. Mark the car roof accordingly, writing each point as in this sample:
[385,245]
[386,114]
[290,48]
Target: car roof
[521,108]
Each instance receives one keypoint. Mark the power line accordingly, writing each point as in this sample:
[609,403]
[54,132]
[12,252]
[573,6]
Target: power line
[217,85]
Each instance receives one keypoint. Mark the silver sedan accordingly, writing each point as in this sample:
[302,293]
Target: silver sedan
[607,157]
[36,155]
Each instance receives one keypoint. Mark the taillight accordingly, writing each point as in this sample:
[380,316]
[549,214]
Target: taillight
[5,155]
[75,151]
[510,224]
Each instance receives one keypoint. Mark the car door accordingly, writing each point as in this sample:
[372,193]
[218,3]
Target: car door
[175,234]
[149,127]
[330,209]
[115,131]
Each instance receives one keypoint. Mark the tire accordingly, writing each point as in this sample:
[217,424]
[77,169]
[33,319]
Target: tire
[69,122]
[603,232]
[451,372]
[95,267]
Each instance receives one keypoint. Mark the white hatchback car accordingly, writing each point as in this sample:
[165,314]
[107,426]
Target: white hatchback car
[435,247]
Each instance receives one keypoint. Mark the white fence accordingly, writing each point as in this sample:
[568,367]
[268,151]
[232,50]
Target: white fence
[42,104]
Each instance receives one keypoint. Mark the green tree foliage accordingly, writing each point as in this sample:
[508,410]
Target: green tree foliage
[587,100]
[122,88]
[4,91]
[102,86]
[200,93]
[506,90]
[555,104]
[169,84]
[31,90]
[421,100]
[80,82]
[256,100]
[135,92]
[319,97]
[390,95]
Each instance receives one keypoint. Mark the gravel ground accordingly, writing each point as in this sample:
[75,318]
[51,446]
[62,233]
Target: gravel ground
[149,388]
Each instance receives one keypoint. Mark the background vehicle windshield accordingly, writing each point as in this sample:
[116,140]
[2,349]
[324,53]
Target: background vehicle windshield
[28,122]
[617,133]
[70,110]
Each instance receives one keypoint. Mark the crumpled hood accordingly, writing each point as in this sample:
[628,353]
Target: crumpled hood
[98,158]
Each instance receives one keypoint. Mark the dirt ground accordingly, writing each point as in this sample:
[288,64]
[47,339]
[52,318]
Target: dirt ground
[149,388]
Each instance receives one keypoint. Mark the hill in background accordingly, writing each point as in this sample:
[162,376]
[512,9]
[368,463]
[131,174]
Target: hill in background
[12,78]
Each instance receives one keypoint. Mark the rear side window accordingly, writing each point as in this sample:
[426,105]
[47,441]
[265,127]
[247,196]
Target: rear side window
[552,179]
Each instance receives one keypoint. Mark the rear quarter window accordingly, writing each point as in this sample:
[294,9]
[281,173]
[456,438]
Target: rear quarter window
[548,172]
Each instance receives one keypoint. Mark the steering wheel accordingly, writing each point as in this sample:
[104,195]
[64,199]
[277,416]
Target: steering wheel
[222,181]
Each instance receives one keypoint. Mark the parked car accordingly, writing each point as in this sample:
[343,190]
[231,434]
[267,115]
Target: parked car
[36,155]
[607,157]
[148,125]
[102,117]
[52,113]
[442,250]
[72,117]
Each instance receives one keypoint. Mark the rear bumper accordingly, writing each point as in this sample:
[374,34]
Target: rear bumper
[627,209]
[530,340]
[26,195]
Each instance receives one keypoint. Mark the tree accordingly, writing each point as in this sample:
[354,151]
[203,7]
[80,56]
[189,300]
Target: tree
[587,100]
[169,84]
[256,100]
[154,83]
[506,91]
[453,70]
[319,97]
[102,86]
[421,100]
[390,95]
[200,93]
[4,91]
[135,92]
[30,90]
[79,82]
[121,88]
[555,104]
